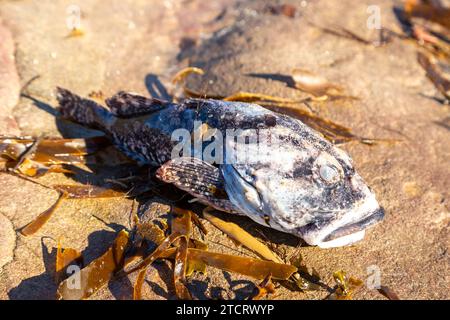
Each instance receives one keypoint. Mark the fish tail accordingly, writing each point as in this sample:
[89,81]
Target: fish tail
[83,111]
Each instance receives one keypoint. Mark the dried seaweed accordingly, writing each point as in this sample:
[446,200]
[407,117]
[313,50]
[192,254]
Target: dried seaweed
[191,255]
[180,79]
[182,74]
[11,149]
[181,224]
[137,288]
[179,273]
[304,279]
[31,168]
[255,268]
[199,224]
[66,257]
[259,98]
[36,157]
[196,265]
[197,259]
[431,41]
[82,284]
[88,191]
[427,10]
[430,25]
[263,289]
[34,226]
[160,251]
[68,151]
[346,286]
[181,230]
[436,75]
[242,237]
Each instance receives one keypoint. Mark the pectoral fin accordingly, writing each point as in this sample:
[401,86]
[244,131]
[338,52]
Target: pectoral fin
[198,178]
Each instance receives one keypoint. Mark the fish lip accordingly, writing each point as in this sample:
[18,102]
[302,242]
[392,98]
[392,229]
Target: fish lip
[375,217]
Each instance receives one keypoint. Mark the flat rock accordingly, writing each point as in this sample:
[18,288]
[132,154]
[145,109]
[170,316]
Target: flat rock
[7,240]
[9,82]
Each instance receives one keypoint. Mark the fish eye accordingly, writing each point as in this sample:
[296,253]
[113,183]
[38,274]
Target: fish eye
[329,173]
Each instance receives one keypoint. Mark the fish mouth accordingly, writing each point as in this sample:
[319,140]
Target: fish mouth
[352,232]
[348,229]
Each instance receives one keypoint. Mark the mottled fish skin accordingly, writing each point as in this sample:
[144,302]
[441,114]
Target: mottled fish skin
[287,188]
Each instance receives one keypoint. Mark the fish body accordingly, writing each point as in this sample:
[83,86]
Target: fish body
[268,166]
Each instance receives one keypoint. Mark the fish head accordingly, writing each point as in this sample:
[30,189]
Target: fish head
[310,190]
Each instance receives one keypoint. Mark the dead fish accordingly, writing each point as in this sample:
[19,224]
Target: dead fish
[302,185]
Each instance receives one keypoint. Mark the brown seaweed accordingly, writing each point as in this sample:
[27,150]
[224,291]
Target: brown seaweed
[159,252]
[31,168]
[68,151]
[346,286]
[304,279]
[35,225]
[243,237]
[66,257]
[191,255]
[181,230]
[258,98]
[181,224]
[180,267]
[182,74]
[252,267]
[433,72]
[36,157]
[88,191]
[11,149]
[82,284]
[198,223]
[427,10]
[429,25]
[263,289]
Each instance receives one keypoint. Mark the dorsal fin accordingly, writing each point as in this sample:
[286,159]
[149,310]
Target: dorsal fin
[128,105]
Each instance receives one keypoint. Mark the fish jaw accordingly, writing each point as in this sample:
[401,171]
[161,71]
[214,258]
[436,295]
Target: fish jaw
[347,234]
